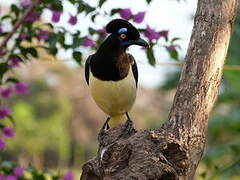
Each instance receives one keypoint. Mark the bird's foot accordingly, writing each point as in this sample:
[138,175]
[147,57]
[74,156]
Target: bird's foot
[128,128]
[125,131]
[104,129]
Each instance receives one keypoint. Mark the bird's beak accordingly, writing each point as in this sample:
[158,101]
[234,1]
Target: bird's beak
[140,42]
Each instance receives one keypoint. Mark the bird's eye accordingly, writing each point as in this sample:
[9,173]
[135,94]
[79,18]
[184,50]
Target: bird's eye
[123,36]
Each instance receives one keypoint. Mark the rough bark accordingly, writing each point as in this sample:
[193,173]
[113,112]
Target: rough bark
[174,150]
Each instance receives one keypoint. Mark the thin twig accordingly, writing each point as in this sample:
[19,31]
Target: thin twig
[18,23]
[226,67]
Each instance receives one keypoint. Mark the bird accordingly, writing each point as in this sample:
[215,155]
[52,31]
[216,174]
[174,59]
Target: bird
[112,74]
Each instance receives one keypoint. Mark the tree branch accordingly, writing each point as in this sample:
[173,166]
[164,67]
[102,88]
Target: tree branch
[173,151]
[18,23]
[201,76]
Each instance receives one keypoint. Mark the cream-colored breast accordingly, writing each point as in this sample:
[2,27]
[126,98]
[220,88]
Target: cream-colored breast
[114,97]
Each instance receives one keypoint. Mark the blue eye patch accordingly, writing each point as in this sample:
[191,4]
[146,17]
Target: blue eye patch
[122,30]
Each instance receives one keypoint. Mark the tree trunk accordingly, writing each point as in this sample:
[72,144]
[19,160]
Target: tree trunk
[174,150]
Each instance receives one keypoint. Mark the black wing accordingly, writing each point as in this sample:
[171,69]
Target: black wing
[87,69]
[134,68]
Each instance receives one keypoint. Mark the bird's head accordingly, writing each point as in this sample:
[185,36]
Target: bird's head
[125,32]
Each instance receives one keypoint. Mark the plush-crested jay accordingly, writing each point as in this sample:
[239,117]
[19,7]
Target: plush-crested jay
[112,73]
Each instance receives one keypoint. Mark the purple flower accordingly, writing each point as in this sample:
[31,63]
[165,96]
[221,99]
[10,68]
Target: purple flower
[164,33]
[25,3]
[2,144]
[2,177]
[23,36]
[4,112]
[171,48]
[33,16]
[151,33]
[138,18]
[8,132]
[18,171]
[125,13]
[2,51]
[21,88]
[88,42]
[43,34]
[5,93]
[14,61]
[68,176]
[56,15]
[10,178]
[72,20]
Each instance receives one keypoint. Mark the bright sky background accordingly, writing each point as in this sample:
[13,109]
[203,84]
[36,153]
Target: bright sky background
[161,14]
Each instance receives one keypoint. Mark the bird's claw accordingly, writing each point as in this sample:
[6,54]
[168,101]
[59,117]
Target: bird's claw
[128,128]
[104,129]
[126,131]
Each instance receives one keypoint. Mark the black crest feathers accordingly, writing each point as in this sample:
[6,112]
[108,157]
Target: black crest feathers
[116,24]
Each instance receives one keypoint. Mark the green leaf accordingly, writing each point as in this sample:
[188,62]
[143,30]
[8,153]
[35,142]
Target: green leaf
[151,57]
[80,8]
[76,42]
[1,125]
[93,17]
[15,9]
[141,30]
[46,1]
[84,7]
[57,5]
[53,51]
[78,57]
[72,1]
[11,119]
[3,34]
[12,80]
[32,51]
[148,1]
[50,25]
[175,39]
[101,2]
[114,11]
[53,39]
[3,70]
[62,42]
[174,54]
[89,9]
[6,17]
[91,31]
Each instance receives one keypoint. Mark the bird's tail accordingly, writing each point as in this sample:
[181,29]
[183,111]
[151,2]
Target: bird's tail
[116,120]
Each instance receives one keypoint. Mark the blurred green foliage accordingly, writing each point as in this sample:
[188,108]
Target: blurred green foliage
[9,170]
[41,120]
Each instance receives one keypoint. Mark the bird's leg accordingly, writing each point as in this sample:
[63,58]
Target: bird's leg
[104,128]
[106,125]
[128,125]
[129,121]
